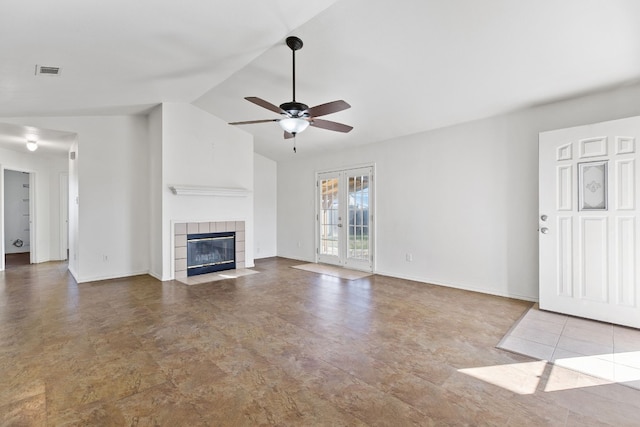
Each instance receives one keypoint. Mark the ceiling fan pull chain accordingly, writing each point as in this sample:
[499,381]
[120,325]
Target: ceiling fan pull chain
[294,143]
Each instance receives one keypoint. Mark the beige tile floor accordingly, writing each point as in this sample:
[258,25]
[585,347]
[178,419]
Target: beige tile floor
[330,270]
[605,351]
[283,347]
[219,275]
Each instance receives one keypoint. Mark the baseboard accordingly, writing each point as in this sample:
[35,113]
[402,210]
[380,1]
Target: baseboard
[296,258]
[111,276]
[462,287]
[156,276]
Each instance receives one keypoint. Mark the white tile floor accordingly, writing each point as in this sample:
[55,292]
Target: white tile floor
[213,277]
[603,350]
[331,270]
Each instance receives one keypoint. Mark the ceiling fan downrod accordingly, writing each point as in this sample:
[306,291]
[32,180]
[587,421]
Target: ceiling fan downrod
[295,44]
[294,109]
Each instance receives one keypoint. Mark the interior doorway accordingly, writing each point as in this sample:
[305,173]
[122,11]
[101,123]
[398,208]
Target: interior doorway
[18,226]
[345,232]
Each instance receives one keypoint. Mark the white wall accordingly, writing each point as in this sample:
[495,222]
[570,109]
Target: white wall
[265,206]
[462,200]
[45,169]
[123,166]
[200,149]
[16,212]
[113,193]
[156,235]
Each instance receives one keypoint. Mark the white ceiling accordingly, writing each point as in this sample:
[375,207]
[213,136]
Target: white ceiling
[405,66]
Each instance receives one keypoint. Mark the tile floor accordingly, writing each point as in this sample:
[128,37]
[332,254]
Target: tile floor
[283,347]
[330,270]
[219,275]
[603,350]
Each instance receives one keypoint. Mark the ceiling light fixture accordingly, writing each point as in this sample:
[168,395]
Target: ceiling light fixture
[293,125]
[32,142]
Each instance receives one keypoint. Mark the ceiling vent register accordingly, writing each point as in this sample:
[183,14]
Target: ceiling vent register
[42,70]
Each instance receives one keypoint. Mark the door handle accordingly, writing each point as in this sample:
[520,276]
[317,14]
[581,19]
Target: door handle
[544,230]
[339,225]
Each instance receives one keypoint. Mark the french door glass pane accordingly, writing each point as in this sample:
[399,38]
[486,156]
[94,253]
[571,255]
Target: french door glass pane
[358,198]
[329,217]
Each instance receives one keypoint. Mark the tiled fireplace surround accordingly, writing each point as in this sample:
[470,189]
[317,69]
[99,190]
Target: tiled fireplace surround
[181,229]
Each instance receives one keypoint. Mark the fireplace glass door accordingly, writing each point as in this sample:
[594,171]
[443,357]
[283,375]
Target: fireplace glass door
[209,252]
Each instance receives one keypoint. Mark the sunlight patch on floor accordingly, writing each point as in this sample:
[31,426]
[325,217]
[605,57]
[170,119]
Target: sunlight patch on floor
[597,349]
[529,377]
[520,378]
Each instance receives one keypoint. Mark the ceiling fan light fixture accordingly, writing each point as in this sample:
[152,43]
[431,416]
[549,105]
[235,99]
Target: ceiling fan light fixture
[32,145]
[32,142]
[293,125]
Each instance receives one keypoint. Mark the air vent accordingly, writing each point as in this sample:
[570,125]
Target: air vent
[47,71]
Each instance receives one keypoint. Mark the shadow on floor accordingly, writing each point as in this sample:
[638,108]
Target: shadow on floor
[14,260]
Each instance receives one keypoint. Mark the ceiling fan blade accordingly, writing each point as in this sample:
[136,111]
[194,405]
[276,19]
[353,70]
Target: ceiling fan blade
[328,108]
[264,104]
[326,124]
[250,122]
[288,135]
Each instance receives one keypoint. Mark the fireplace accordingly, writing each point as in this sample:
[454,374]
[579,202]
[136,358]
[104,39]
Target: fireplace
[209,252]
[184,229]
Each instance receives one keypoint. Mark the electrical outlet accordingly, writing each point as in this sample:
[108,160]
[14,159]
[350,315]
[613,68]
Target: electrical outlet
[299,244]
[409,257]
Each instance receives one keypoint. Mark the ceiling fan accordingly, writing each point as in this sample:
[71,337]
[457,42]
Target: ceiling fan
[296,116]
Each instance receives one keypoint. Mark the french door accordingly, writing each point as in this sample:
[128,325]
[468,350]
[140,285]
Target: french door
[345,218]
[589,232]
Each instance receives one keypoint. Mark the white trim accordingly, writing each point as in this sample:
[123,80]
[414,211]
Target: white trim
[459,286]
[2,249]
[195,190]
[112,276]
[32,219]
[63,195]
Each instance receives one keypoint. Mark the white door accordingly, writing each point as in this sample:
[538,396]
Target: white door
[589,233]
[345,218]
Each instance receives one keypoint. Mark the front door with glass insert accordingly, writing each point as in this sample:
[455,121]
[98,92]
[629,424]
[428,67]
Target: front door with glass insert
[345,212]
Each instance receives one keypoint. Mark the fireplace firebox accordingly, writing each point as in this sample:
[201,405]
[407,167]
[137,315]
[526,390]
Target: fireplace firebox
[209,252]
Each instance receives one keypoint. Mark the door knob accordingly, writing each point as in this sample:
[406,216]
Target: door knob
[544,230]
[543,217]
[339,225]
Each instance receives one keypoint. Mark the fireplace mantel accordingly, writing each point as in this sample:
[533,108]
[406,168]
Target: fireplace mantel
[199,190]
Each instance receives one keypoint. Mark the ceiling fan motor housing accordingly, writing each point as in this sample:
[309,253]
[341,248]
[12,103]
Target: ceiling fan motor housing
[295,109]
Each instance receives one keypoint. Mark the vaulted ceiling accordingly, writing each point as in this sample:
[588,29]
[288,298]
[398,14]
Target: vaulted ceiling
[405,67]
